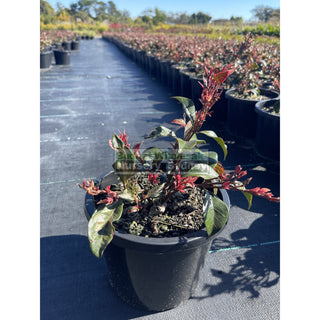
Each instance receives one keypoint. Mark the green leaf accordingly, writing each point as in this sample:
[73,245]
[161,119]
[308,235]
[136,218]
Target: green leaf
[117,142]
[202,170]
[155,191]
[117,212]
[188,145]
[248,197]
[188,107]
[152,154]
[160,131]
[125,195]
[219,140]
[100,229]
[216,214]
[209,157]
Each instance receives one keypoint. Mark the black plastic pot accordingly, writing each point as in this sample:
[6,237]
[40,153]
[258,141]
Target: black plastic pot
[196,90]
[268,131]
[66,45]
[152,65]
[75,45]
[242,118]
[154,273]
[45,59]
[176,80]
[62,57]
[186,90]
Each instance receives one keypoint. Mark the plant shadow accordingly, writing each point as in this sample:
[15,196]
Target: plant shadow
[74,283]
[246,258]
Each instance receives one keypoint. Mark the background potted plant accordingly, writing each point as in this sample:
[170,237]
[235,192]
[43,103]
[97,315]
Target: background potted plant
[45,50]
[245,92]
[267,141]
[75,43]
[154,224]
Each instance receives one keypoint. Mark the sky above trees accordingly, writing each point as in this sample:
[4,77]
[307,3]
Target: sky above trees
[216,8]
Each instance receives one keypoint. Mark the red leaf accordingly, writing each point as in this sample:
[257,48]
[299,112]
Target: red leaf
[180,122]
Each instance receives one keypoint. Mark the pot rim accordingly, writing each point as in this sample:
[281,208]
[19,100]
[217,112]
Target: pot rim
[274,94]
[258,109]
[162,245]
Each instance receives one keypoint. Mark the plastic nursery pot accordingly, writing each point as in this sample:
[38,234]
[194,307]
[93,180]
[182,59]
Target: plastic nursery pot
[164,71]
[267,141]
[185,83]
[152,65]
[242,118]
[62,57]
[176,80]
[66,45]
[45,59]
[154,274]
[75,45]
[196,90]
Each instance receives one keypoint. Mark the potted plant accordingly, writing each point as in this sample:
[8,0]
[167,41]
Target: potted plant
[62,57]
[245,92]
[153,218]
[45,51]
[75,43]
[267,141]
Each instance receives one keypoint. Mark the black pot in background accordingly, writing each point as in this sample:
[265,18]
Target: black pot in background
[66,45]
[75,45]
[45,59]
[242,118]
[268,130]
[176,80]
[154,273]
[186,90]
[62,57]
[196,90]
[152,65]
[164,72]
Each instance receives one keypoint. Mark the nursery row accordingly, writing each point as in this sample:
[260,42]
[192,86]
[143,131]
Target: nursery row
[58,44]
[261,60]
[245,92]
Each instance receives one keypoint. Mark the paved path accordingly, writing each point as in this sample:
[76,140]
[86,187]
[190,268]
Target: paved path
[82,105]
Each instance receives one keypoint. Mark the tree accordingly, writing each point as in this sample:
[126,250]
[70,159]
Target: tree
[159,16]
[113,13]
[236,20]
[100,8]
[46,8]
[262,13]
[199,18]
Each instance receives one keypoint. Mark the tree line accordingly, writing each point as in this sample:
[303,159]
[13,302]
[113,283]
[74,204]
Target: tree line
[99,11]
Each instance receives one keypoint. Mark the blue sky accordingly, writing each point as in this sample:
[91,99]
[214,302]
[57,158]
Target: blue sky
[215,8]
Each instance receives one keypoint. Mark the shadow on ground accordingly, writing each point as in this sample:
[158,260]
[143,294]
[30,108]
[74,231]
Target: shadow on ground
[74,284]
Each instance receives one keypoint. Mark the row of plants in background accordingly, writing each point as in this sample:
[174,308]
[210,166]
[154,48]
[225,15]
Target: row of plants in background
[260,63]
[57,44]
[179,61]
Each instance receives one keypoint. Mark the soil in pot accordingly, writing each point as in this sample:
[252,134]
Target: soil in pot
[154,272]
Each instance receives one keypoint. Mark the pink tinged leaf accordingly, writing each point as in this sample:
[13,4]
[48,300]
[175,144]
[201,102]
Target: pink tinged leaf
[180,122]
[238,169]
[111,145]
[136,149]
